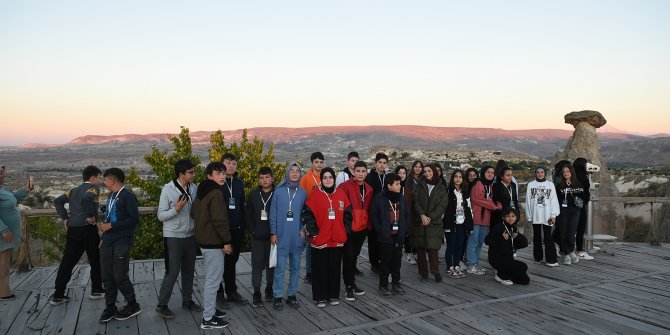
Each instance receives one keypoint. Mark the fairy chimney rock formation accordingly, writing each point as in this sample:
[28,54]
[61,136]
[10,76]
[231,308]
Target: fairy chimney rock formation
[584,143]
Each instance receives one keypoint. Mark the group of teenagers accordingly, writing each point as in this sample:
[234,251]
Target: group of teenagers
[326,216]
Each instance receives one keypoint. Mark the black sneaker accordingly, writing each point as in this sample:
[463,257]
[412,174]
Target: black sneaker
[258,300]
[278,305]
[349,294]
[292,301]
[396,289]
[8,298]
[308,278]
[384,291]
[219,313]
[164,311]
[236,297]
[358,291]
[269,295]
[214,323]
[358,272]
[191,306]
[58,300]
[128,312]
[96,294]
[438,277]
[108,314]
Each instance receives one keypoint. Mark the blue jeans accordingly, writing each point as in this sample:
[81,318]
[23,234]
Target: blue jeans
[278,284]
[475,242]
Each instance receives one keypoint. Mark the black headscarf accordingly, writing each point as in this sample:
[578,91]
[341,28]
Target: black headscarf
[482,175]
[331,189]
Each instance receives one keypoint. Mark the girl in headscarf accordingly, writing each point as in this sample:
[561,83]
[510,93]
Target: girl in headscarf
[430,202]
[542,208]
[482,205]
[327,217]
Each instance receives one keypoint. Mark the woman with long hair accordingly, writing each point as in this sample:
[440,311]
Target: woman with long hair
[570,195]
[580,169]
[457,222]
[411,183]
[482,205]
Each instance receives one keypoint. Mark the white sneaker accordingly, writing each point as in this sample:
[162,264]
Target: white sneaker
[567,260]
[553,265]
[504,281]
[472,269]
[584,255]
[411,259]
[574,258]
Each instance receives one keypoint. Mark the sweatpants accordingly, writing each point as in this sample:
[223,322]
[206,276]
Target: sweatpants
[326,267]
[455,240]
[350,252]
[433,260]
[390,255]
[510,269]
[549,249]
[114,261]
[80,239]
[213,260]
[260,260]
[181,253]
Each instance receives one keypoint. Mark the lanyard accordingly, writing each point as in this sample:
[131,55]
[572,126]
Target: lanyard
[395,211]
[318,184]
[510,236]
[459,196]
[290,200]
[112,202]
[509,190]
[329,199]
[381,179]
[487,190]
[265,202]
[565,192]
[363,195]
[230,188]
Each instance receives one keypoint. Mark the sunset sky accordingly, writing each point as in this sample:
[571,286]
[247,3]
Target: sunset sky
[73,68]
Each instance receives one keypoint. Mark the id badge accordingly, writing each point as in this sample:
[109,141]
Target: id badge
[565,203]
[231,203]
[395,225]
[289,216]
[331,214]
[460,219]
[264,215]
[515,257]
[511,205]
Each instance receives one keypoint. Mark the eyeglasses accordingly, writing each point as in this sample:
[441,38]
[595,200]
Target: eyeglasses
[190,171]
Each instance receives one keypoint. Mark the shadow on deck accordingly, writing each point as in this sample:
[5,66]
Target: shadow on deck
[622,294]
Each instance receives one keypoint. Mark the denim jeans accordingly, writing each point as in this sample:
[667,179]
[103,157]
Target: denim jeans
[114,261]
[475,242]
[278,284]
[455,240]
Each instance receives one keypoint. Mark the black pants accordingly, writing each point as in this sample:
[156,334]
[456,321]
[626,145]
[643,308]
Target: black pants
[350,254]
[549,249]
[567,225]
[114,259]
[326,268]
[408,248]
[373,249]
[455,240]
[260,261]
[510,269]
[581,228]
[230,260]
[78,240]
[390,255]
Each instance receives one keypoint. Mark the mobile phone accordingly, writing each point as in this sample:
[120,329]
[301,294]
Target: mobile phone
[182,197]
[31,182]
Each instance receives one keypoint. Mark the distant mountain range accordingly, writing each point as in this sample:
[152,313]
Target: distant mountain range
[619,148]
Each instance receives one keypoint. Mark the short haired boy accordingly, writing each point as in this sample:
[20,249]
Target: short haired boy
[376,180]
[117,237]
[348,171]
[82,234]
[312,181]
[213,236]
[257,216]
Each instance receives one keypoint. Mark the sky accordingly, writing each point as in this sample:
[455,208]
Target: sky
[74,68]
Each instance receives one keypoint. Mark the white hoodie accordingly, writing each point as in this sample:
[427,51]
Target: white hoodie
[176,224]
[541,202]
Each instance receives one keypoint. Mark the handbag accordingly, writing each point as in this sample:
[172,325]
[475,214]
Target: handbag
[579,202]
[273,256]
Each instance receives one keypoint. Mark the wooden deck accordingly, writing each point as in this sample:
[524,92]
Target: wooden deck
[622,294]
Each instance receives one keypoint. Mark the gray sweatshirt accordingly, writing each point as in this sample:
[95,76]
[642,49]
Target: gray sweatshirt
[83,201]
[176,224]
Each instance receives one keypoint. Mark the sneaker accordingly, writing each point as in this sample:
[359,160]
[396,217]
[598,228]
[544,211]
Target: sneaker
[567,260]
[396,289]
[411,260]
[164,311]
[219,313]
[480,270]
[504,281]
[453,274]
[574,258]
[191,306]
[358,291]
[384,291]
[8,298]
[463,267]
[108,314]
[308,278]
[553,265]
[358,272]
[58,300]
[349,294]
[584,255]
[334,301]
[321,303]
[128,311]
[213,323]
[269,295]
[278,305]
[438,278]
[458,272]
[236,297]
[96,294]
[258,300]
[292,301]
[472,269]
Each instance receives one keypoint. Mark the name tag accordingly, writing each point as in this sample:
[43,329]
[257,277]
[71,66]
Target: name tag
[331,214]
[231,203]
[264,215]
[289,216]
